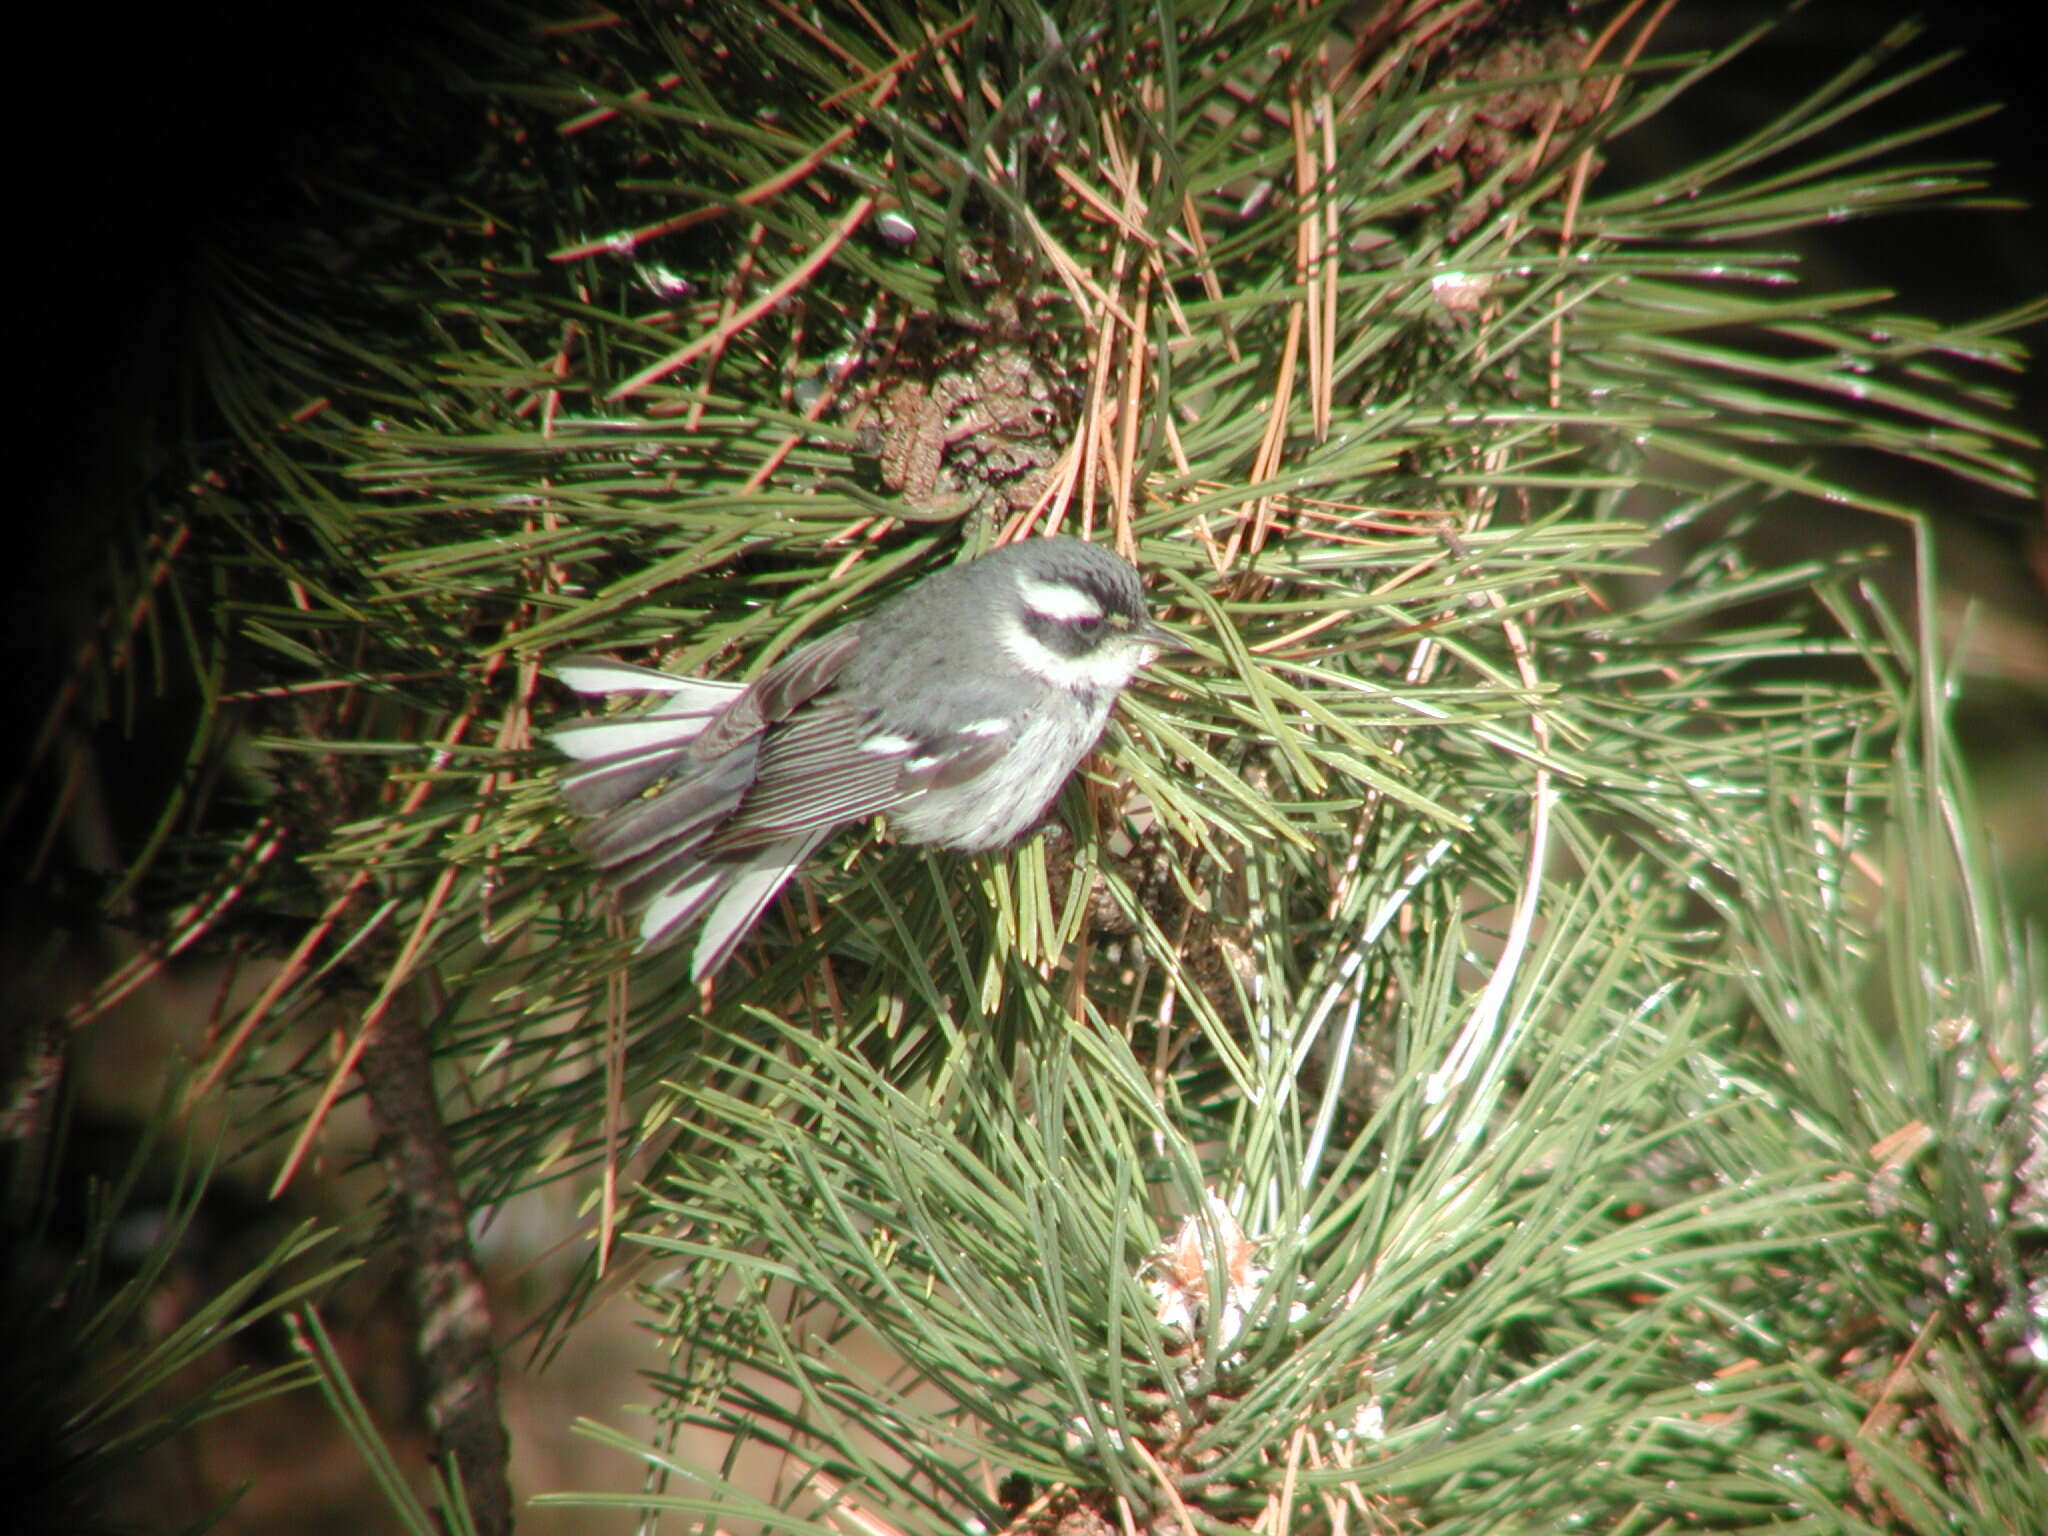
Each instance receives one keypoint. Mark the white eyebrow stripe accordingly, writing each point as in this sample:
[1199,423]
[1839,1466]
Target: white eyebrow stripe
[1058,600]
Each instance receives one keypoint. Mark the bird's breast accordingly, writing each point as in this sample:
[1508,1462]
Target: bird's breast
[1004,801]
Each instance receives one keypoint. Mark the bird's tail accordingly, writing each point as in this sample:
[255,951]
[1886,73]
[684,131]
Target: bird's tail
[729,892]
[623,754]
[650,847]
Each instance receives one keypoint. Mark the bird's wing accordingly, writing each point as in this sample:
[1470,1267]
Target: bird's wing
[832,765]
[620,756]
[627,840]
[823,768]
[776,693]
[819,771]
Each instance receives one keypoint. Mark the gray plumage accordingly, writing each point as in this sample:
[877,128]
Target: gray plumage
[959,709]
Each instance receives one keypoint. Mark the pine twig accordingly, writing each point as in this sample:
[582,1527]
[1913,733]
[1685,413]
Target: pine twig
[452,1311]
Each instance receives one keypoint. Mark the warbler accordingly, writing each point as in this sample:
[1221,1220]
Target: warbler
[959,709]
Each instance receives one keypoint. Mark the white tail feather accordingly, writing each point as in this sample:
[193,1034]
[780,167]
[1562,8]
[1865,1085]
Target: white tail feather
[586,739]
[748,890]
[601,674]
[678,905]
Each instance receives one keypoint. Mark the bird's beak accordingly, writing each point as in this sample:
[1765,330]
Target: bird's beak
[1158,637]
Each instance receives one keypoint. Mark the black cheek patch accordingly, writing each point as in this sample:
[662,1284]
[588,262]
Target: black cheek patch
[1061,638]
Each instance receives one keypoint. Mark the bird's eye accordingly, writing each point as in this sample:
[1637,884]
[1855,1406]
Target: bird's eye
[1087,629]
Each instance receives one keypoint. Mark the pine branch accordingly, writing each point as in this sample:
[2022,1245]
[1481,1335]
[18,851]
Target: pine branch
[456,1347]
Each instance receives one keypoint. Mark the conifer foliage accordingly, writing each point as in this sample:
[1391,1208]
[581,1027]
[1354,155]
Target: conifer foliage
[1515,1030]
